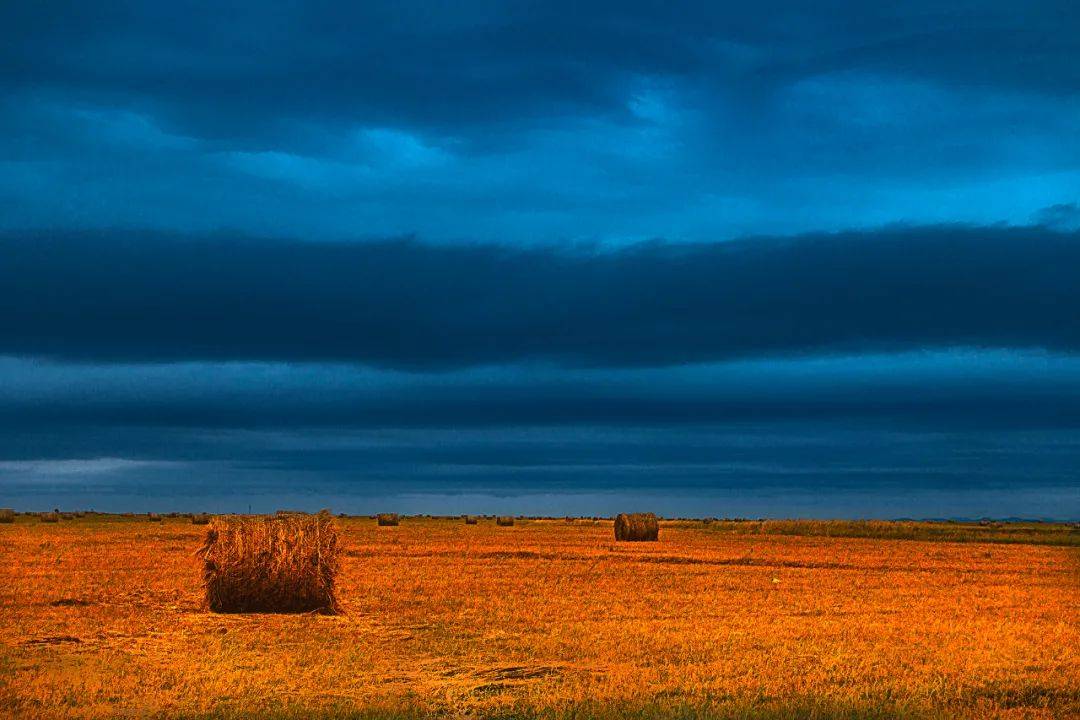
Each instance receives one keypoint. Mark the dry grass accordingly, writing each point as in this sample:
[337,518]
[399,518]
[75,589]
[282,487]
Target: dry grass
[1027,533]
[104,617]
[637,527]
[260,564]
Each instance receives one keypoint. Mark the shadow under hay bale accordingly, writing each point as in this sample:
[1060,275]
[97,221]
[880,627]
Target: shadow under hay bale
[387,519]
[271,564]
[7,515]
[200,519]
[504,521]
[49,517]
[640,527]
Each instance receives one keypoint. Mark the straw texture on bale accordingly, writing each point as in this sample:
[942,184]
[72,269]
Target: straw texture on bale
[637,527]
[271,564]
[504,521]
[388,519]
[7,515]
[200,519]
[50,517]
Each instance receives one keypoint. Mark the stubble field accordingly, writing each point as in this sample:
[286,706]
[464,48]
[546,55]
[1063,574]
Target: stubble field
[103,617]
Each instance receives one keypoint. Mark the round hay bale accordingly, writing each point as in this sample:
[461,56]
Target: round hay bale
[200,519]
[504,521]
[7,515]
[153,517]
[470,520]
[387,519]
[271,564]
[49,517]
[637,527]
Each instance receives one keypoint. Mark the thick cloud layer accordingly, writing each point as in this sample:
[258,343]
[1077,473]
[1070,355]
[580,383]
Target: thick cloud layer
[408,305]
[241,70]
[533,147]
[536,121]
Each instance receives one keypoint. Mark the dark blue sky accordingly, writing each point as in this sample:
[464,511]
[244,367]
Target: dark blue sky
[760,258]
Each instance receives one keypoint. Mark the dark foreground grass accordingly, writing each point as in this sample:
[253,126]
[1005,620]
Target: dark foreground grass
[803,709]
[976,703]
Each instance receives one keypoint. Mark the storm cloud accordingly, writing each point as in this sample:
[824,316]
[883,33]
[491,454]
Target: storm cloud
[219,70]
[778,257]
[536,122]
[403,304]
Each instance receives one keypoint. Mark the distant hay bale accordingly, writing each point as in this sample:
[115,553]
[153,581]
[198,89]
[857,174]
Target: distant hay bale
[7,515]
[200,519]
[49,517]
[504,521]
[271,564]
[636,527]
[387,519]
[470,520]
[153,517]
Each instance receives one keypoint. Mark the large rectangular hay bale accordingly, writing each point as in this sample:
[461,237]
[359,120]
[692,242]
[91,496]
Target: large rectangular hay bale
[49,517]
[7,515]
[504,521]
[271,564]
[388,519]
[637,527]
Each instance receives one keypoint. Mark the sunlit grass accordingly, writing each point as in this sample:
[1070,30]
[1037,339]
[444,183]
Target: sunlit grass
[987,532]
[104,616]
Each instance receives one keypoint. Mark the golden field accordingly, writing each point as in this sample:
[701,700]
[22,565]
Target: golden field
[104,617]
